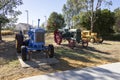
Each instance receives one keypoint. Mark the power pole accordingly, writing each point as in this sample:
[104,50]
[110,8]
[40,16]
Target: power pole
[27,16]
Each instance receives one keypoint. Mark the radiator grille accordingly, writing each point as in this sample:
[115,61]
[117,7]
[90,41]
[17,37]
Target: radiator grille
[39,37]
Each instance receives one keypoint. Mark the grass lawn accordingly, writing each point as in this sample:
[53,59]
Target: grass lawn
[79,57]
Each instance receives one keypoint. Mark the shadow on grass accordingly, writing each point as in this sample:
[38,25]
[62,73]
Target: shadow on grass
[65,65]
[81,54]
[95,50]
[72,54]
[7,52]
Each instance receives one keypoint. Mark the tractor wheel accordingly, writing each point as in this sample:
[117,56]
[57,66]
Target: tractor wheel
[92,40]
[26,42]
[71,43]
[101,40]
[57,37]
[85,43]
[51,51]
[24,53]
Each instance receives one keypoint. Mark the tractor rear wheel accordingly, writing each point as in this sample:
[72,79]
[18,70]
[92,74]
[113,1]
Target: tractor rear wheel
[57,37]
[85,43]
[51,51]
[24,53]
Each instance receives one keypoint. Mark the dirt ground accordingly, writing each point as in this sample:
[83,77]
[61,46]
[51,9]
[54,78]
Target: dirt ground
[79,57]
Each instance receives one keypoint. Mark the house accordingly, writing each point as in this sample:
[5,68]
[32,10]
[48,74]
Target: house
[23,27]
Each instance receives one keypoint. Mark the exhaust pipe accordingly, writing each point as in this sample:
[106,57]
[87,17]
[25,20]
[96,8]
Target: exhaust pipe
[38,22]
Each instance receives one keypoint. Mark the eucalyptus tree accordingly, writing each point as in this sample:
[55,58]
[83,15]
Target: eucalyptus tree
[92,6]
[70,9]
[7,7]
[73,8]
[117,20]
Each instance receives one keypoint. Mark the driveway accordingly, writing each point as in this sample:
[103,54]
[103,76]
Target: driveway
[103,72]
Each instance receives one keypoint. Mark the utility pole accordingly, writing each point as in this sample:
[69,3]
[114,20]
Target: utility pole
[33,23]
[27,19]
[45,24]
[27,16]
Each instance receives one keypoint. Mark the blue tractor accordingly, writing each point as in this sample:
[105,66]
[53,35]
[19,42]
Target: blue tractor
[36,42]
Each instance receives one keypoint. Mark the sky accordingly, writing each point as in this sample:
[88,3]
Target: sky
[41,9]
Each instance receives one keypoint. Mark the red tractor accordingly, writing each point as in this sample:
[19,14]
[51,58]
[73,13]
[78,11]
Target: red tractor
[73,36]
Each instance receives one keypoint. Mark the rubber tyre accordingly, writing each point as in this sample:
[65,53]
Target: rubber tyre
[57,37]
[51,51]
[72,43]
[101,41]
[26,42]
[92,40]
[24,53]
[85,44]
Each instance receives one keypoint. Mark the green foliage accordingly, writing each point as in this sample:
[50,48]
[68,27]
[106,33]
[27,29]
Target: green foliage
[70,10]
[112,37]
[84,20]
[104,22]
[7,7]
[3,19]
[55,21]
[73,8]
[14,15]
[117,20]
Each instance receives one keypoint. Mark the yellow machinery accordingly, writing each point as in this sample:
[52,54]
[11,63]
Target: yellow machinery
[91,36]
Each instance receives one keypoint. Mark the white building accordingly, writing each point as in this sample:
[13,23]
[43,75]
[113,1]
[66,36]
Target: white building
[22,27]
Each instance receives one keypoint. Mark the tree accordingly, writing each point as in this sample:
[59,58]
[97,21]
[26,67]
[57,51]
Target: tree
[90,6]
[3,20]
[7,7]
[12,20]
[55,21]
[70,10]
[117,20]
[104,22]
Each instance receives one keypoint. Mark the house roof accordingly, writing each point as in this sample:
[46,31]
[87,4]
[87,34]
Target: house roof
[23,26]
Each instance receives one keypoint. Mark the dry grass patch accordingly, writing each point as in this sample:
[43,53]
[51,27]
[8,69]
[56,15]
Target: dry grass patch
[79,57]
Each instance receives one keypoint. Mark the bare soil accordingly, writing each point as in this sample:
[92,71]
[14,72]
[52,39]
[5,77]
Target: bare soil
[79,57]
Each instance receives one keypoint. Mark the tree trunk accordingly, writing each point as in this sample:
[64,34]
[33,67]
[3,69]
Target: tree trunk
[0,32]
[92,24]
[92,9]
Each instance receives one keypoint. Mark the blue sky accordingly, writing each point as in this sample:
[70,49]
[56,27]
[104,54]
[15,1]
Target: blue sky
[38,9]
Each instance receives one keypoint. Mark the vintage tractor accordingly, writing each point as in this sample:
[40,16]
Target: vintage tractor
[73,36]
[36,42]
[91,36]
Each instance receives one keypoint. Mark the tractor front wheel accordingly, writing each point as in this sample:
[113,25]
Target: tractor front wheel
[51,51]
[85,43]
[24,53]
